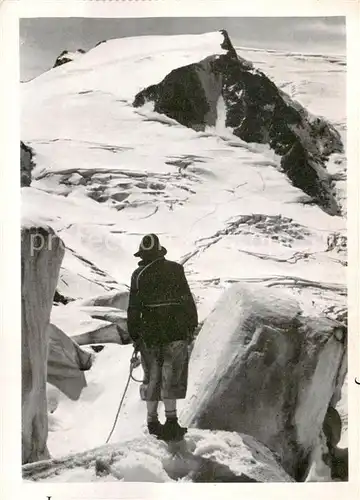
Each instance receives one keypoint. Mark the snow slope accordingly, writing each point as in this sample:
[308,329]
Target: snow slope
[204,456]
[107,173]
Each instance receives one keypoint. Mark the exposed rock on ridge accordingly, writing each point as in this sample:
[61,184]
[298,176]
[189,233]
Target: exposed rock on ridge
[67,56]
[26,164]
[256,110]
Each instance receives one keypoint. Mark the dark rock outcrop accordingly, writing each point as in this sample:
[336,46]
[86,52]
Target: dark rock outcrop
[66,57]
[59,298]
[339,464]
[97,348]
[256,110]
[336,458]
[26,164]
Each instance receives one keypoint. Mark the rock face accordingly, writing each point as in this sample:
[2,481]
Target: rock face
[276,373]
[256,111]
[41,256]
[26,164]
[67,56]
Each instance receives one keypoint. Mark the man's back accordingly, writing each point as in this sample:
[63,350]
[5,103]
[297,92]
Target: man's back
[161,295]
[162,318]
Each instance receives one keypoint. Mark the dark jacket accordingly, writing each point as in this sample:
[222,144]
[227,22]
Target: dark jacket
[161,307]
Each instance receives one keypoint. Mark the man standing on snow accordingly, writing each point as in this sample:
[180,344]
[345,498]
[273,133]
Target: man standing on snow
[162,318]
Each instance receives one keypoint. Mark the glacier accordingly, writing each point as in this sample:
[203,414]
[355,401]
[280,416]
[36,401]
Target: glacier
[105,172]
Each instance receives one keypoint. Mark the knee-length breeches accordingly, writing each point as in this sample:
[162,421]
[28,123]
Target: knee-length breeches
[165,371]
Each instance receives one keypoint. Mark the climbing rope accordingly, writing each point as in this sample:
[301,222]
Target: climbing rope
[134,363]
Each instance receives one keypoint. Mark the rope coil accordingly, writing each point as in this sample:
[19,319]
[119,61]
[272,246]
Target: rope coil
[134,363]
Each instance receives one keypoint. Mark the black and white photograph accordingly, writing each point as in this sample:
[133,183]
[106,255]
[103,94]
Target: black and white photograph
[184,314]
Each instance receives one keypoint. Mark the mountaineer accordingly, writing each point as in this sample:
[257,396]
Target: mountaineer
[162,318]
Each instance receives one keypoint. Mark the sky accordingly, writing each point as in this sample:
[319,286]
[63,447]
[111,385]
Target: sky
[43,39]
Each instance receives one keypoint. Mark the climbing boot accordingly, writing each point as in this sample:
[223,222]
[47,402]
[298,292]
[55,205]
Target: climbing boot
[172,431]
[155,428]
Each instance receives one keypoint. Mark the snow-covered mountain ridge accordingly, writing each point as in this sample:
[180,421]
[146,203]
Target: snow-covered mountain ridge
[106,173]
[256,111]
[146,168]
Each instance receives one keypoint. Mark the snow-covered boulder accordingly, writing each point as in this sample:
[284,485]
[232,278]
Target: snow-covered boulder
[116,329]
[261,367]
[204,456]
[66,363]
[107,333]
[256,110]
[99,319]
[115,299]
[41,256]
[87,324]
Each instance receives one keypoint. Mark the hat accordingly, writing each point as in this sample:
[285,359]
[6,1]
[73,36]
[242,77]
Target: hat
[150,246]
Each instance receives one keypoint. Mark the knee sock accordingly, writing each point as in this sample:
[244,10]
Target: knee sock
[170,409]
[152,411]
